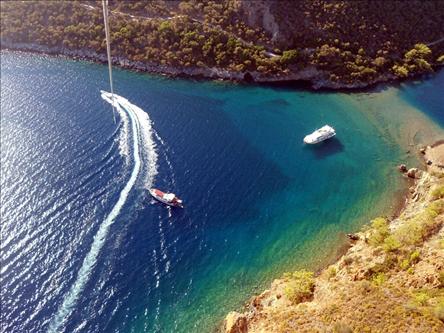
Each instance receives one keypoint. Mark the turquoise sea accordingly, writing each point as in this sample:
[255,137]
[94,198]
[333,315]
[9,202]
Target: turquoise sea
[85,249]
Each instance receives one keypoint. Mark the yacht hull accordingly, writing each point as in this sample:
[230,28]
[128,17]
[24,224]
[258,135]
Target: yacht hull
[160,196]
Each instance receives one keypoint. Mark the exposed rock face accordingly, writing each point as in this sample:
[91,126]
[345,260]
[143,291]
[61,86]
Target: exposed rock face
[413,173]
[353,237]
[260,15]
[235,323]
[435,154]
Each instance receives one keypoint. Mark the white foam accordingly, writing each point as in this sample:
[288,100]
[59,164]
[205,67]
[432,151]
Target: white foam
[124,143]
[146,136]
[142,135]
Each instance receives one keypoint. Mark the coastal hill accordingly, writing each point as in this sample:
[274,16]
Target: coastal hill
[329,43]
[390,280]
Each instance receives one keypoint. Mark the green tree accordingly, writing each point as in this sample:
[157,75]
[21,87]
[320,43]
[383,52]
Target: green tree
[400,71]
[289,57]
[300,286]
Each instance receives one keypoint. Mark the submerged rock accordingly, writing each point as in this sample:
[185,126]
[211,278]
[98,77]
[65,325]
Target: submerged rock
[402,168]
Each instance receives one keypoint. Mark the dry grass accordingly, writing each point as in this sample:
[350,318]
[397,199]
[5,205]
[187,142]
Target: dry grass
[366,309]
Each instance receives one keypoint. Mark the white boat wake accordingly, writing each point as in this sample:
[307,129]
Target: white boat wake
[143,148]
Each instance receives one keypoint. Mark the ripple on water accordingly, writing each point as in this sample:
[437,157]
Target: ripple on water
[257,201]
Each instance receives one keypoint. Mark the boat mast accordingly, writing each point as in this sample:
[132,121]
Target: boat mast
[108,52]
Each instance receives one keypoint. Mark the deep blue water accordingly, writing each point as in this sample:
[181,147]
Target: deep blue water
[427,96]
[257,201]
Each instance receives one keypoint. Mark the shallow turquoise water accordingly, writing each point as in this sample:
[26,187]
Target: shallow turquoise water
[257,201]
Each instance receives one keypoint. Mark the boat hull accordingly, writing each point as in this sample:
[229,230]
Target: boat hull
[158,197]
[313,142]
[324,133]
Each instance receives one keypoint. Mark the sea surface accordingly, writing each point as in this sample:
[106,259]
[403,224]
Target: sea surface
[85,249]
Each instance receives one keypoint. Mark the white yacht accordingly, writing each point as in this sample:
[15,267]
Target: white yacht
[321,134]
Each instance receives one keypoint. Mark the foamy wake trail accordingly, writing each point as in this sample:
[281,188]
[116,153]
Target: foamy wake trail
[124,142]
[143,148]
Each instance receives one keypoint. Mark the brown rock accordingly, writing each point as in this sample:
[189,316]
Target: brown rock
[413,173]
[235,323]
[353,237]
[422,150]
[402,168]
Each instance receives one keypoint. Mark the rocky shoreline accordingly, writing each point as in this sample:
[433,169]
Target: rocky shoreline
[383,282]
[317,79]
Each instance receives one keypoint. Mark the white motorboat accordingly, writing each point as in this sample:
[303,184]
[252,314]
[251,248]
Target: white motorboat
[167,198]
[321,134]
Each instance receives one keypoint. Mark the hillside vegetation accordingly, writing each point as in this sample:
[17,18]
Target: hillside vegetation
[344,41]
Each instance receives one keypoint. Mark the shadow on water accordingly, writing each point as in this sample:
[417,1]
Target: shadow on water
[374,87]
[327,148]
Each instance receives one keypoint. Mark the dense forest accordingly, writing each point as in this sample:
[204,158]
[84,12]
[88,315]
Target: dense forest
[349,41]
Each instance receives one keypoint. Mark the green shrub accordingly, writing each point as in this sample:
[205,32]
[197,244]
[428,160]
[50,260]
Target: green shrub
[436,207]
[417,57]
[420,298]
[379,61]
[438,193]
[379,279]
[404,264]
[414,256]
[438,311]
[391,244]
[331,272]
[437,174]
[441,279]
[418,52]
[380,231]
[414,231]
[410,233]
[300,286]
[390,262]
[341,328]
[289,57]
[400,71]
